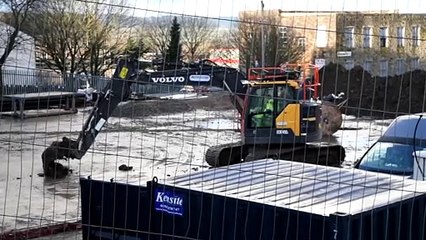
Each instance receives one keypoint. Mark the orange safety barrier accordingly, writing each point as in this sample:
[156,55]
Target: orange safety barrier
[258,73]
[307,71]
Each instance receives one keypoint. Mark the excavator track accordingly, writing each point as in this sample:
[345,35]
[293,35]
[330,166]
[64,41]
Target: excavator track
[225,154]
[314,153]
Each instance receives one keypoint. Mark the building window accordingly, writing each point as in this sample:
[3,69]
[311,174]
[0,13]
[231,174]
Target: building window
[383,37]
[321,36]
[400,66]
[349,64]
[400,33]
[301,42]
[283,34]
[349,37]
[415,36]
[368,65]
[383,68]
[415,64]
[366,33]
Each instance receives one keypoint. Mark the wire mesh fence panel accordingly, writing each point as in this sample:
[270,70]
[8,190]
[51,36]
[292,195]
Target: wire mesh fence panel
[212,120]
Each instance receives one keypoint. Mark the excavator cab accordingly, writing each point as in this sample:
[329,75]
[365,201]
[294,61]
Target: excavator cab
[275,109]
[267,101]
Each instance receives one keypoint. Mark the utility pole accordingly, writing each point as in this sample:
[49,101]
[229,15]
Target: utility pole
[262,37]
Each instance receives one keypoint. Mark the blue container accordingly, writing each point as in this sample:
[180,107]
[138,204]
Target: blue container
[111,210]
[265,199]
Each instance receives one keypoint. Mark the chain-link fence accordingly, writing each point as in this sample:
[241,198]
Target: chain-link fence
[254,160]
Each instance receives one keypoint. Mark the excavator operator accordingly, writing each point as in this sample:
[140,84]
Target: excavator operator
[264,117]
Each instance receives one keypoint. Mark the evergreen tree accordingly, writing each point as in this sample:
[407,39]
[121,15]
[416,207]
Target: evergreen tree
[174,48]
[135,48]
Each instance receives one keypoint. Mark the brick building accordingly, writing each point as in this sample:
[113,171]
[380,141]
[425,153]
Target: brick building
[317,31]
[384,43]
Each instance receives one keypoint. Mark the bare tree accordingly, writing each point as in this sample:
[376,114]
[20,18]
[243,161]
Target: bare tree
[106,37]
[158,37]
[17,13]
[75,36]
[222,39]
[196,33]
[58,28]
[281,44]
[222,49]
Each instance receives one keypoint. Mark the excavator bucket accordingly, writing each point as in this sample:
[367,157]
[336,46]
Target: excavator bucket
[59,150]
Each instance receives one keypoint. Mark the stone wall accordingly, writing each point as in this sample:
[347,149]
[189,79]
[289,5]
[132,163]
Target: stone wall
[375,54]
[315,25]
[312,26]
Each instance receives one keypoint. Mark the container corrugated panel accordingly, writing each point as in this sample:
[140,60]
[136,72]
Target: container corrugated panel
[270,199]
[112,210]
[303,187]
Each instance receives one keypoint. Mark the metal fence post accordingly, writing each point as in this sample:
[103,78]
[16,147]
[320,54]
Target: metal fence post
[341,226]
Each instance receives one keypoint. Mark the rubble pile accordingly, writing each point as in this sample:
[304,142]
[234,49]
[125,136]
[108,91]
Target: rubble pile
[375,96]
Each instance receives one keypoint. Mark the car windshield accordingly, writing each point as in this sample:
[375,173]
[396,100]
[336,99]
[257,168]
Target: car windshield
[390,158]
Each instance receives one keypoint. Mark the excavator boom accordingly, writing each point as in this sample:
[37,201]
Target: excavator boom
[116,91]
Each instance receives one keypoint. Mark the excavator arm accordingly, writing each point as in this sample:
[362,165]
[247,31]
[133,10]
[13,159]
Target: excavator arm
[116,91]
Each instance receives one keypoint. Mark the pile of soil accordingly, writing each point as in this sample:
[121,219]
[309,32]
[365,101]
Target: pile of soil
[375,96]
[217,101]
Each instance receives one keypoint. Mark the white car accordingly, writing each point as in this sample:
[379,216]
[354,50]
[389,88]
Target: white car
[395,151]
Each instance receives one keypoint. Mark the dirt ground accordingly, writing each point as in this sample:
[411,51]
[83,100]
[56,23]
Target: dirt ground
[161,138]
[376,96]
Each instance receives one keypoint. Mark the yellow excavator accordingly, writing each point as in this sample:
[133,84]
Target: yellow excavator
[279,118]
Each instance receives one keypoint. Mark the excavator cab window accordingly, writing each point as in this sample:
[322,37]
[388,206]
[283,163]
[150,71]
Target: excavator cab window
[286,95]
[261,107]
[267,102]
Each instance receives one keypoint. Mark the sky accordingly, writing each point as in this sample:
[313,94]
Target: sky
[228,8]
